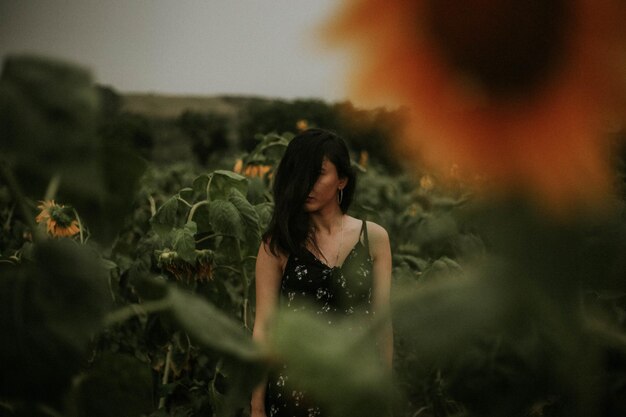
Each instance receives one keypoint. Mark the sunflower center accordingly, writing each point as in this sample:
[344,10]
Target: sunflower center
[507,47]
[63,216]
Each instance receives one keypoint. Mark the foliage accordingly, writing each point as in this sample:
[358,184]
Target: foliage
[208,133]
[364,130]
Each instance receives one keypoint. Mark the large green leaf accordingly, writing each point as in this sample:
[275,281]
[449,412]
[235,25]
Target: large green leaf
[200,183]
[201,217]
[114,385]
[50,310]
[248,215]
[497,338]
[223,181]
[225,218]
[165,218]
[264,210]
[184,242]
[211,327]
[257,191]
[338,364]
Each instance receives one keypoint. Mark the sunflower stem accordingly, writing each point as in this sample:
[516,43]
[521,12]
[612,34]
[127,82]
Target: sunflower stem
[185,202]
[80,225]
[208,188]
[53,187]
[166,373]
[16,191]
[245,282]
[152,205]
[194,208]
[7,223]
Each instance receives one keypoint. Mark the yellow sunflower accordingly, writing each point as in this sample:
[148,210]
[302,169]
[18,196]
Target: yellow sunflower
[302,125]
[238,166]
[520,93]
[427,183]
[257,170]
[59,220]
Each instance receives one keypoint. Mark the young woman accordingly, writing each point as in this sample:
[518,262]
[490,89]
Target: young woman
[314,256]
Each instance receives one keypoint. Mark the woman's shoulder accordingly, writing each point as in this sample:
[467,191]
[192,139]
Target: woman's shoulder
[275,256]
[377,234]
[374,231]
[378,240]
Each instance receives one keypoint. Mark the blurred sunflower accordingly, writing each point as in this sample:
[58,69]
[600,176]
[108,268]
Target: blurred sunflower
[251,170]
[60,221]
[520,92]
[364,157]
[257,170]
[302,125]
[238,166]
[427,183]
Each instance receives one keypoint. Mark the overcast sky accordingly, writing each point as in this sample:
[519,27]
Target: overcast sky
[203,47]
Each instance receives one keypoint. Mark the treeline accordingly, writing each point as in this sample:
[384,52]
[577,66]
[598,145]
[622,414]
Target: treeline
[367,131]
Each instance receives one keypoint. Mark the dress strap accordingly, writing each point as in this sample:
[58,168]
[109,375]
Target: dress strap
[363,235]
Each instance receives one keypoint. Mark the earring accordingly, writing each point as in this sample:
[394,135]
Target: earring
[340,197]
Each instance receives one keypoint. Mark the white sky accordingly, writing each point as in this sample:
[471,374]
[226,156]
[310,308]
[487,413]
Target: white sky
[202,47]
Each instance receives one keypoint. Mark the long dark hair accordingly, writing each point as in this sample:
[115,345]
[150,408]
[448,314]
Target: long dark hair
[296,175]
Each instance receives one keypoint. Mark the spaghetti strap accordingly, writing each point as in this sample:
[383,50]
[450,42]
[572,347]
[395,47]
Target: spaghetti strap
[363,238]
[364,235]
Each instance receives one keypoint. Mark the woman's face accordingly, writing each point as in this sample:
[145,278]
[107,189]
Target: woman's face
[324,191]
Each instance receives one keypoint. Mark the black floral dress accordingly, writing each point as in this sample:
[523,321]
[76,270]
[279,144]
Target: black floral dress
[308,283]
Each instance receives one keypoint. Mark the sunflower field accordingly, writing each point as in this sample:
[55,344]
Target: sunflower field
[127,283]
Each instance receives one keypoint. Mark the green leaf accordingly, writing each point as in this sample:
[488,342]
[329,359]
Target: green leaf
[186,194]
[256,191]
[249,216]
[165,218]
[338,364]
[264,210]
[275,151]
[225,218]
[50,310]
[211,327]
[223,181]
[443,268]
[201,217]
[436,228]
[184,242]
[200,183]
[114,385]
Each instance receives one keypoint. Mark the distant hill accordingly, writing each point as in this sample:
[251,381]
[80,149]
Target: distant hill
[171,106]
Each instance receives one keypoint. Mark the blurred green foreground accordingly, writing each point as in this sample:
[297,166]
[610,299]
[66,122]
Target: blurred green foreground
[146,307]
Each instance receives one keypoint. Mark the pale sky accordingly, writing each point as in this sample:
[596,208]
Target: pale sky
[202,47]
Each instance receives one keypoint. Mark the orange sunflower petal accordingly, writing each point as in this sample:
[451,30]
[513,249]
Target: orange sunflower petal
[550,141]
[52,224]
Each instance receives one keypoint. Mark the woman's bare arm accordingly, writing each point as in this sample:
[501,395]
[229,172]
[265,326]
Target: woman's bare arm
[381,255]
[268,273]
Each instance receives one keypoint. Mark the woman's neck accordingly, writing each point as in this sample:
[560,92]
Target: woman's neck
[327,221]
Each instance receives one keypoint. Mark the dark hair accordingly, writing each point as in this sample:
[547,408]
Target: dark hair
[296,175]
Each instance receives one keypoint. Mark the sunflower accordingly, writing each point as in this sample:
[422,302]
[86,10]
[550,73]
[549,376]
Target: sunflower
[302,125]
[364,157]
[427,183]
[60,221]
[238,166]
[520,93]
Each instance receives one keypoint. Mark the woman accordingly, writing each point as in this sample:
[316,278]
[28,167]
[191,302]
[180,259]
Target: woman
[315,256]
